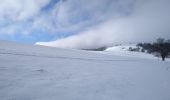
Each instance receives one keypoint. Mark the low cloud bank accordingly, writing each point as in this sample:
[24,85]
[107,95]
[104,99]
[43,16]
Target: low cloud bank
[148,20]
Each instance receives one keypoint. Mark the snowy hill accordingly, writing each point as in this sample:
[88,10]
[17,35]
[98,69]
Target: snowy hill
[41,73]
[123,50]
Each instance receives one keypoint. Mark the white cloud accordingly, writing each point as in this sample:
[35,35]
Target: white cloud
[19,10]
[78,15]
[66,16]
[15,14]
[148,21]
[96,22]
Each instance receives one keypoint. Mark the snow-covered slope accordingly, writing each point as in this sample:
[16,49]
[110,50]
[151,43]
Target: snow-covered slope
[42,73]
[123,50]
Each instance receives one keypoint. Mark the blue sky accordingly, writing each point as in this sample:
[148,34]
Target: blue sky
[83,22]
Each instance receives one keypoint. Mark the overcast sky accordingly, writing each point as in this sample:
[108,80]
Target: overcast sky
[84,23]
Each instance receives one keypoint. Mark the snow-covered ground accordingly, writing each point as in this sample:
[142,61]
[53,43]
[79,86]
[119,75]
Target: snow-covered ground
[41,73]
[123,50]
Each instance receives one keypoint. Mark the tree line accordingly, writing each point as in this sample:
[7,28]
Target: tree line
[161,47]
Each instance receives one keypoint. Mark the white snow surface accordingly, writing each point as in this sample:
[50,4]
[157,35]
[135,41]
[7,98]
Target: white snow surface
[42,73]
[123,50]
